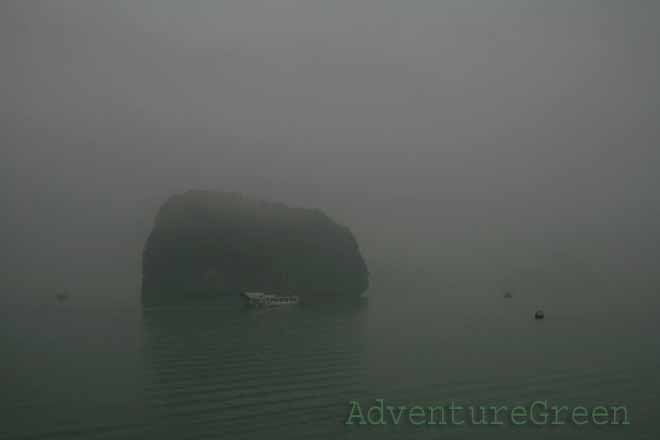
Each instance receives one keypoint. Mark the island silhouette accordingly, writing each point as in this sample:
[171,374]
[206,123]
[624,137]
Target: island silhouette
[212,244]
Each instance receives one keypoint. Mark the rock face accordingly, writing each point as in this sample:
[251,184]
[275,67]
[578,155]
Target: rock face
[208,243]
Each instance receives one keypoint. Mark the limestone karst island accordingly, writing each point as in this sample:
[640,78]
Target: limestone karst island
[214,244]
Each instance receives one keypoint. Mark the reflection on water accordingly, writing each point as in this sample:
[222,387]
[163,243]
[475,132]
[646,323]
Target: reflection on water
[218,371]
[252,373]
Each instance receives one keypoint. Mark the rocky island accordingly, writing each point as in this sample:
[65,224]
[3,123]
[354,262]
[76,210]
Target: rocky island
[210,244]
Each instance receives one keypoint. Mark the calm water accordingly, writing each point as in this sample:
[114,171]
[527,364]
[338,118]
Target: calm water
[214,371]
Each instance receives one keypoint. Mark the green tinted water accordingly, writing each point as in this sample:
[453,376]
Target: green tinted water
[213,370]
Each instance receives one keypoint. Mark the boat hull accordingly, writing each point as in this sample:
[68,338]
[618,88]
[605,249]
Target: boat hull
[258,299]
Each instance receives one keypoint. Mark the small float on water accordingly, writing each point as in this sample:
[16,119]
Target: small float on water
[539,314]
[508,295]
[260,299]
[62,296]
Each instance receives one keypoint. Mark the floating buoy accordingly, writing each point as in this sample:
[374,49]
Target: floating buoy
[539,314]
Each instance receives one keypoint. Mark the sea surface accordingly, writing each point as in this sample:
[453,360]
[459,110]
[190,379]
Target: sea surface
[213,370]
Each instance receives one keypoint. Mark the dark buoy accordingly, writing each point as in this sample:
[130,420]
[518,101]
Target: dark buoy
[62,296]
[539,314]
[508,295]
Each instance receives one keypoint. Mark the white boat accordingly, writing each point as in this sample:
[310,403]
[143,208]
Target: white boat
[260,299]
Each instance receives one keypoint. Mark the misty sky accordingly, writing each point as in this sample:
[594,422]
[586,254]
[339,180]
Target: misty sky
[454,128]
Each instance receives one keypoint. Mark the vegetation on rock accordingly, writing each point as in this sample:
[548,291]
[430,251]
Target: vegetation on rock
[207,243]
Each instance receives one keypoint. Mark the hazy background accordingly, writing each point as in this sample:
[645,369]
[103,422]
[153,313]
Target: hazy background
[492,142]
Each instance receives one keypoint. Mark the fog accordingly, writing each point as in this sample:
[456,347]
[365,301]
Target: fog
[476,138]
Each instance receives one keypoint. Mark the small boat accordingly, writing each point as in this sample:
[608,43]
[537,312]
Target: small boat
[508,295]
[62,296]
[539,314]
[260,299]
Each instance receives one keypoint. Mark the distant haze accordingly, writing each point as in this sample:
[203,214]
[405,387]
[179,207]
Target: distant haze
[476,138]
